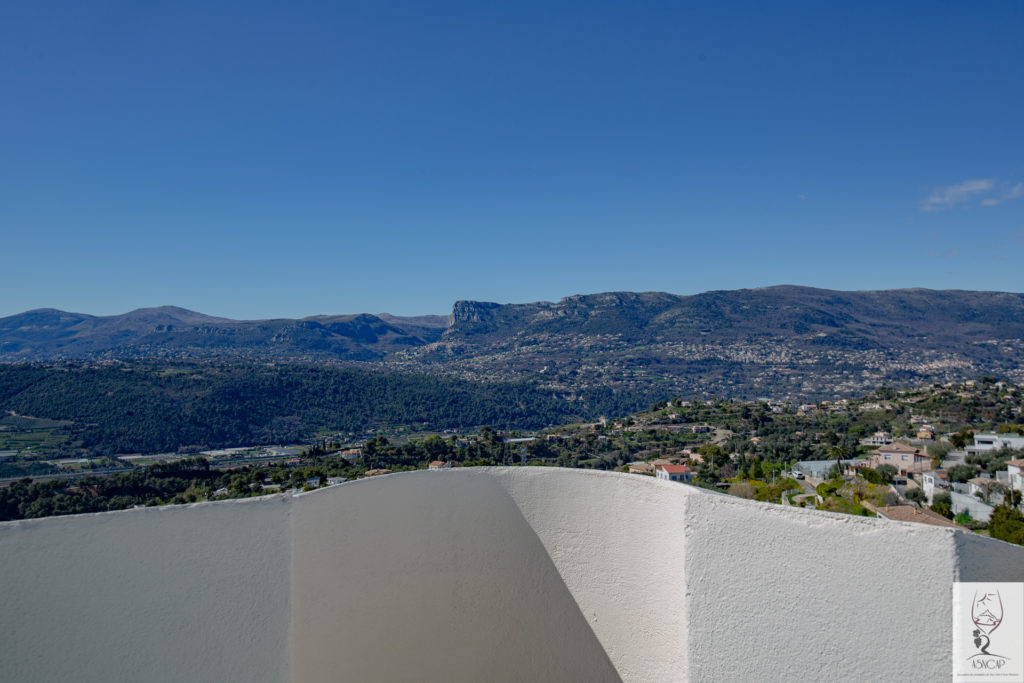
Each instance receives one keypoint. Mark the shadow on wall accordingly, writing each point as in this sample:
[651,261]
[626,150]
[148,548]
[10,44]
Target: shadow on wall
[483,574]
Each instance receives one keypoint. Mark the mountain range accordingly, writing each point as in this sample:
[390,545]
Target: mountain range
[780,341]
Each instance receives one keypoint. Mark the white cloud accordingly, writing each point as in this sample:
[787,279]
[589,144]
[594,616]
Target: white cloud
[950,195]
[1013,192]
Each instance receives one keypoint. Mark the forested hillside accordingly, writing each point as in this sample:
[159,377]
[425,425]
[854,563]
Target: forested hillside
[152,408]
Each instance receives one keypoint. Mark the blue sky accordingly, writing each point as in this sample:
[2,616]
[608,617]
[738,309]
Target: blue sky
[256,159]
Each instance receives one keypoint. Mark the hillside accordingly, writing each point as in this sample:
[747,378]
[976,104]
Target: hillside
[48,334]
[162,407]
[782,341]
[779,341]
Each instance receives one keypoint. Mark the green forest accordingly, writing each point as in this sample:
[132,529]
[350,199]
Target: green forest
[150,408]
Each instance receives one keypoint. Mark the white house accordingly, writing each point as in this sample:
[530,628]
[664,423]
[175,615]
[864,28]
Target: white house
[986,488]
[992,442]
[1015,468]
[674,473]
[879,439]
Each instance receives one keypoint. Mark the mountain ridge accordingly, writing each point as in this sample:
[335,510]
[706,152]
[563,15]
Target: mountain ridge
[740,341]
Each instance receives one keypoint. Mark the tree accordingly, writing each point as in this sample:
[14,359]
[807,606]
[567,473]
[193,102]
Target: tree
[1010,429]
[742,490]
[960,439]
[988,488]
[939,449]
[756,471]
[916,496]
[886,473]
[706,474]
[960,473]
[1007,524]
[713,455]
[942,503]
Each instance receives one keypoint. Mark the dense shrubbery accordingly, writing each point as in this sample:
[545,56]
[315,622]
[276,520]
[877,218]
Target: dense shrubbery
[1007,524]
[942,503]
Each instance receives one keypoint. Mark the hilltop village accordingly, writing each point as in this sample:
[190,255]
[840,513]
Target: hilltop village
[950,455]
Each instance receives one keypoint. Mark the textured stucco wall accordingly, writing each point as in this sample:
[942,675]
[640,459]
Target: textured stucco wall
[617,542]
[431,576]
[195,593]
[484,574]
[824,597]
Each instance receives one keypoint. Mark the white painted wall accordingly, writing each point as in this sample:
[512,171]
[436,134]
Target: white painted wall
[431,576]
[617,541]
[183,593]
[776,593]
[977,509]
[484,574]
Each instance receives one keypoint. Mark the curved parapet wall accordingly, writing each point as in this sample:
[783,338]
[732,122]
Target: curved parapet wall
[484,574]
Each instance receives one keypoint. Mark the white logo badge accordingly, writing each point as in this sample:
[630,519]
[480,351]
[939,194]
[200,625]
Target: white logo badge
[988,632]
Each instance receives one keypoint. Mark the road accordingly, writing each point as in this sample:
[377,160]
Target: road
[232,464]
[7,481]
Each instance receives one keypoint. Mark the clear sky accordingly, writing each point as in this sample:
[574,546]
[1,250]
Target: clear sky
[258,159]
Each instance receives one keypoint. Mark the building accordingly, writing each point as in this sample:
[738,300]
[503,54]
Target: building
[986,489]
[674,473]
[822,469]
[641,467]
[1015,468]
[932,482]
[993,442]
[912,513]
[906,459]
[878,439]
[440,465]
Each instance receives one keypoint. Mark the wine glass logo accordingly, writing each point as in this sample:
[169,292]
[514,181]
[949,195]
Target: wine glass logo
[987,614]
